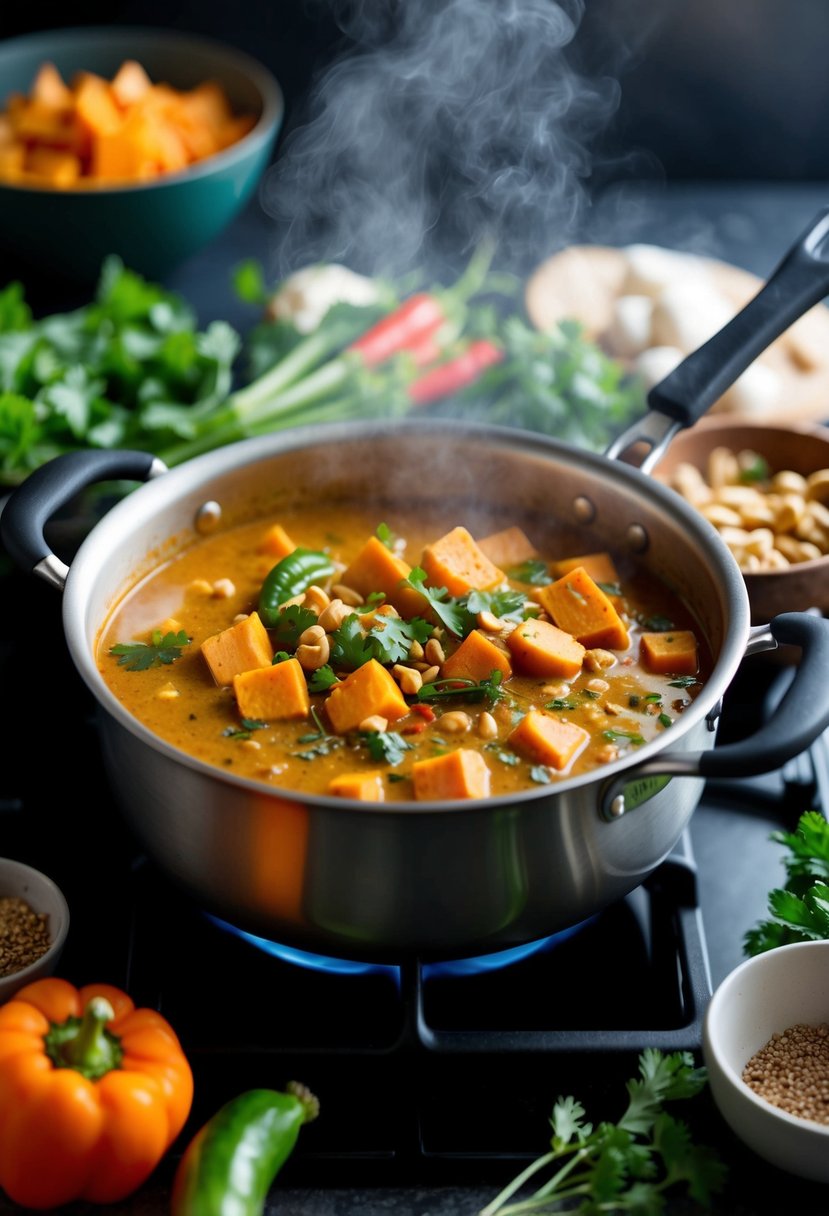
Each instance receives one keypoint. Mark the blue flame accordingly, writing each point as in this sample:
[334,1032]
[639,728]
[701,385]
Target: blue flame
[344,966]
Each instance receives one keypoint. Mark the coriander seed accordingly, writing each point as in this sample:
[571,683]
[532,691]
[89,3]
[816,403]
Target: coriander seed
[792,1071]
[24,935]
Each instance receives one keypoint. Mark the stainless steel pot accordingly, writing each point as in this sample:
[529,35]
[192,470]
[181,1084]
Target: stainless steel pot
[442,879]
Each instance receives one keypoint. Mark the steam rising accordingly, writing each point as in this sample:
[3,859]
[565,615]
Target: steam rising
[447,120]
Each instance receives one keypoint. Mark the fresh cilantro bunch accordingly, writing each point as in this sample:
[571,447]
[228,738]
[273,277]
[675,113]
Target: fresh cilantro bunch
[161,651]
[624,1167]
[799,911]
[128,370]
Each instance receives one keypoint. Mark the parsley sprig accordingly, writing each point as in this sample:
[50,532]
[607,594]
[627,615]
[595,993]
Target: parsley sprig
[626,1166]
[160,651]
[471,690]
[798,911]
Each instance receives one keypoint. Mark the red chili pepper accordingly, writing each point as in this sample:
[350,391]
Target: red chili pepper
[416,319]
[456,373]
[424,710]
[415,729]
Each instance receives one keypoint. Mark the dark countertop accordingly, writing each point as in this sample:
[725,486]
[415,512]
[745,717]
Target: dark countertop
[750,225]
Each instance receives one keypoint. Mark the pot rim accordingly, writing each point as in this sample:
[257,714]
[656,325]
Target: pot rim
[163,491]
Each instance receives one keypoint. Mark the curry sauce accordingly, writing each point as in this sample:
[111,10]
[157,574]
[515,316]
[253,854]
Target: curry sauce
[402,658]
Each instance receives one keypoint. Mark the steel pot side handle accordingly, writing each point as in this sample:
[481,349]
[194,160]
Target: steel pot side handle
[52,486]
[802,715]
[800,281]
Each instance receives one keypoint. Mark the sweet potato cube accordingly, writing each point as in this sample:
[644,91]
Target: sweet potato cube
[11,161]
[462,773]
[273,694]
[508,548]
[671,653]
[95,106]
[365,787]
[130,83]
[277,542]
[547,740]
[475,659]
[599,566]
[367,691]
[50,90]
[456,562]
[241,647]
[376,568]
[542,649]
[54,167]
[581,608]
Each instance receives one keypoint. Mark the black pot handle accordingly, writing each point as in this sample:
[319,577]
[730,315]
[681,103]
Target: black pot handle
[802,715]
[800,281]
[47,489]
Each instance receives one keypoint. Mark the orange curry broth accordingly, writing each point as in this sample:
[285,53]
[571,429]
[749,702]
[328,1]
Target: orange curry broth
[182,704]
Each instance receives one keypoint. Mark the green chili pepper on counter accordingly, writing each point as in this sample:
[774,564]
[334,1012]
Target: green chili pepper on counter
[291,576]
[229,1165]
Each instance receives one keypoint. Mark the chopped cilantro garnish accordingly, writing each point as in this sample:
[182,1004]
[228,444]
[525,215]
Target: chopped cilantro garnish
[561,703]
[653,698]
[289,623]
[471,690]
[385,535]
[392,637]
[533,571]
[755,470]
[249,725]
[280,657]
[683,682]
[161,651]
[323,742]
[508,605]
[450,612]
[385,745]
[665,720]
[322,679]
[658,624]
[591,693]
[614,735]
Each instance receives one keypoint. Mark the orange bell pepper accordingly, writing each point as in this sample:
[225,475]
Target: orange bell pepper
[92,1093]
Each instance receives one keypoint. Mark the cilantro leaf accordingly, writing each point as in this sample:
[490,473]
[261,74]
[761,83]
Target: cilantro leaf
[450,611]
[249,725]
[613,736]
[322,679]
[683,682]
[162,650]
[289,623]
[386,746]
[392,637]
[799,911]
[506,604]
[471,690]
[627,1166]
[533,571]
[350,646]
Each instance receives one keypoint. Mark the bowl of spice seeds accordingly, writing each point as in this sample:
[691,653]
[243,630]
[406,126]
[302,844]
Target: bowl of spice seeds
[34,920]
[766,1048]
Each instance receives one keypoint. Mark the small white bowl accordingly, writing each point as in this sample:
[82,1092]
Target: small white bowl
[763,996]
[42,895]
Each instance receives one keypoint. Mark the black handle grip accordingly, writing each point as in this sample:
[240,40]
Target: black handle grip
[799,282]
[802,714]
[54,484]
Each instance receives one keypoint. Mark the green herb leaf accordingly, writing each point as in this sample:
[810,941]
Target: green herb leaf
[613,736]
[471,690]
[392,637]
[683,682]
[289,623]
[322,679]
[385,535]
[665,720]
[450,612]
[626,1166]
[249,725]
[757,470]
[798,911]
[533,571]
[248,280]
[350,645]
[612,589]
[162,650]
[562,703]
[508,605]
[541,774]
[657,624]
[385,746]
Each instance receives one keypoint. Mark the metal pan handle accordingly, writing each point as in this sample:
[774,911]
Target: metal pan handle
[800,281]
[802,715]
[51,487]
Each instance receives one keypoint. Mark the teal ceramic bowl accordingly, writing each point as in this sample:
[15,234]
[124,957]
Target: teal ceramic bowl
[151,225]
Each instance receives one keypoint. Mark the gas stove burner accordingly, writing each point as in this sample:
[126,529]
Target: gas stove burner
[477,965]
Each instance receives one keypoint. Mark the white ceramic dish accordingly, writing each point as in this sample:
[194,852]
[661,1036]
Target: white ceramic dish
[763,996]
[42,895]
